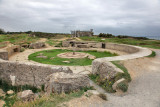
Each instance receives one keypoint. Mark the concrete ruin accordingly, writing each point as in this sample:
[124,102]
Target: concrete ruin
[5,53]
[79,33]
[18,73]
[84,44]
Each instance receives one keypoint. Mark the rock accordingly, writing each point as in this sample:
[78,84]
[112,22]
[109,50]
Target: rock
[65,82]
[26,95]
[10,92]
[66,61]
[25,45]
[40,54]
[2,93]
[44,57]
[37,45]
[114,86]
[52,58]
[106,70]
[91,57]
[2,103]
[94,92]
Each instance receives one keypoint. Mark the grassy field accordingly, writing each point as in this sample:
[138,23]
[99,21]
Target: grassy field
[143,43]
[18,38]
[59,61]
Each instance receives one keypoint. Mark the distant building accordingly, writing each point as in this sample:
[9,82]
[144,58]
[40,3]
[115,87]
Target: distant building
[79,33]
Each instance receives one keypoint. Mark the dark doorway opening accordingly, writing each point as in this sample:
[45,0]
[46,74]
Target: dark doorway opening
[15,50]
[72,44]
[103,45]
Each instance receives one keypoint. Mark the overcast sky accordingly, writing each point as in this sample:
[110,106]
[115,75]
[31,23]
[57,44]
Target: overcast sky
[131,17]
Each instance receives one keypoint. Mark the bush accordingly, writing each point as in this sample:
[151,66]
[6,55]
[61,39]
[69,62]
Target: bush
[105,84]
[123,86]
[59,44]
[103,96]
[106,35]
[2,31]
[22,49]
[5,87]
[153,54]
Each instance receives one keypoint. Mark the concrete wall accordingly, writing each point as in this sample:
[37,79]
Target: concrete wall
[5,53]
[11,50]
[122,47]
[82,44]
[27,73]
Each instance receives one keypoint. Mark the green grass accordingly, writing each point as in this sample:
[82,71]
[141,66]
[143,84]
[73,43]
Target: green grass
[153,54]
[125,75]
[51,42]
[2,45]
[18,38]
[143,43]
[73,62]
[105,84]
[123,86]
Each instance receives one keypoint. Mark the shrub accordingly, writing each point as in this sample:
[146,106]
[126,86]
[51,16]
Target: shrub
[153,54]
[22,49]
[5,87]
[103,96]
[123,86]
[106,35]
[59,44]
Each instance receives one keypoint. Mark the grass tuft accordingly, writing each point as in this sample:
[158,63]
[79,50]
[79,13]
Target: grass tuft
[153,54]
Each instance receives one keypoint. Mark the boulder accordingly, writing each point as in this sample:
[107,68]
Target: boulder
[25,45]
[65,82]
[2,103]
[94,92]
[114,86]
[10,92]
[52,58]
[106,70]
[91,57]
[2,93]
[44,57]
[37,45]
[66,61]
[26,95]
[40,54]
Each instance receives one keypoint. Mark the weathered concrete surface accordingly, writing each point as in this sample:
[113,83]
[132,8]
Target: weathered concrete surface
[26,95]
[114,86]
[6,52]
[37,45]
[141,53]
[122,47]
[106,70]
[65,82]
[28,73]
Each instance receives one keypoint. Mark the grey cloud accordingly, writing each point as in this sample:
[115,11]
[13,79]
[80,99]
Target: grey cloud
[118,17]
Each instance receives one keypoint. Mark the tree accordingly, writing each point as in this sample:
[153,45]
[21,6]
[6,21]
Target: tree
[2,31]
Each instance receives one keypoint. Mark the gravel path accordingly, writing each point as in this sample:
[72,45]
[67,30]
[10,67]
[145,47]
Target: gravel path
[144,89]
